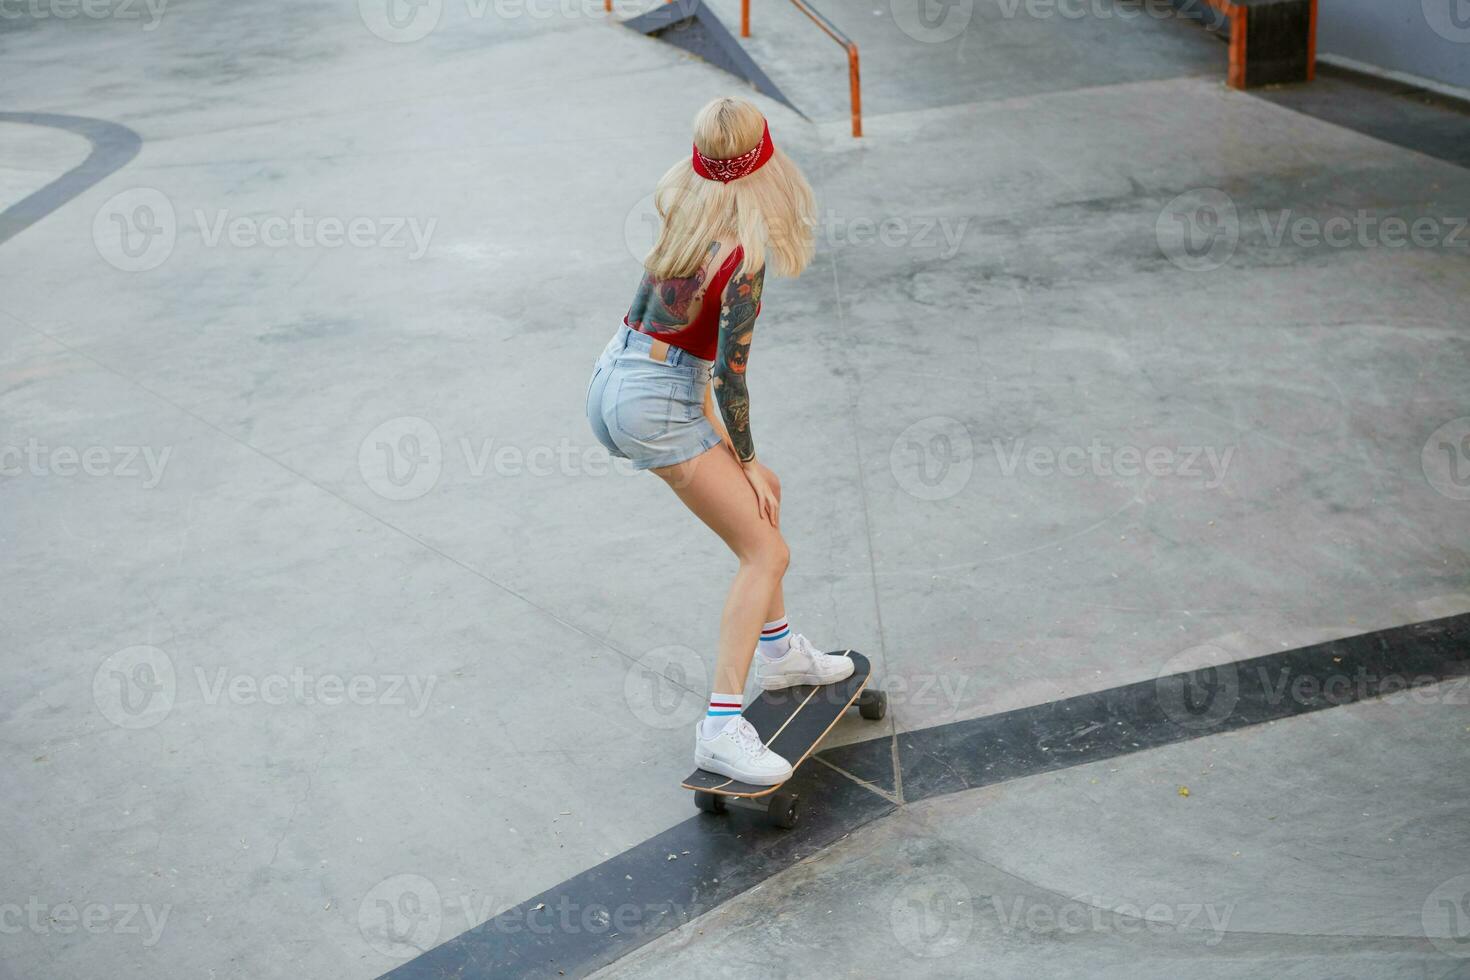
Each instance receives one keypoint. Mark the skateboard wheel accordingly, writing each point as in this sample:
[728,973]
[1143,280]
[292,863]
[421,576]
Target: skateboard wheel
[873,705]
[709,802]
[783,811]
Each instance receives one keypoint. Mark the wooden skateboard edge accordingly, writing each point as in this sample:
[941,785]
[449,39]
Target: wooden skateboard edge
[795,765]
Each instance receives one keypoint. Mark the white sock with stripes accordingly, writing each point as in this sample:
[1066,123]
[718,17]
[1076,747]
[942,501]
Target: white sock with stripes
[722,708]
[775,639]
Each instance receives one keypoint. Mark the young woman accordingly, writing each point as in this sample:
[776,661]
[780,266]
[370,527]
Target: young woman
[736,203]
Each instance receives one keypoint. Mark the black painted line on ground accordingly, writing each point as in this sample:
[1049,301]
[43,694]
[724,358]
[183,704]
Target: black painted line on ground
[113,146]
[606,912]
[1179,707]
[1401,113]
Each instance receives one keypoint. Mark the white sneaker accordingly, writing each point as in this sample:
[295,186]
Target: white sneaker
[738,752]
[803,664]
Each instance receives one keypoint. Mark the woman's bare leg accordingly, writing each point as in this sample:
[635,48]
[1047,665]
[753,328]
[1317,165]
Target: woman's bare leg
[714,487]
[776,608]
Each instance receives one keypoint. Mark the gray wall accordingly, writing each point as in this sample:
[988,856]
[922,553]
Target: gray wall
[1428,38]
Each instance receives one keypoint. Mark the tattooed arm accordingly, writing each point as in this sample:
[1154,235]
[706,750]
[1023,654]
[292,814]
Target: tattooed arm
[740,304]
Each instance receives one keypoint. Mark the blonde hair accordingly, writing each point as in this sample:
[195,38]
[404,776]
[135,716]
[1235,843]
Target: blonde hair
[771,210]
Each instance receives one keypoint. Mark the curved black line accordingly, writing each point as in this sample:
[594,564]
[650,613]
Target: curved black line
[113,146]
[573,928]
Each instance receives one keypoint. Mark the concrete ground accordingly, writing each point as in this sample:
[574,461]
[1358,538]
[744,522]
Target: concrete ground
[1325,862]
[320,603]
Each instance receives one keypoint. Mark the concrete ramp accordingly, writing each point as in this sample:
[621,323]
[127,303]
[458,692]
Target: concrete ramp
[690,25]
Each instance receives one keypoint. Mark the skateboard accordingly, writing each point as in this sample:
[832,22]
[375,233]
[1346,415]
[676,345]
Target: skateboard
[792,722]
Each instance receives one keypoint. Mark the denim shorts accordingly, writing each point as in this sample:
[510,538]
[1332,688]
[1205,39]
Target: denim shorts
[646,411]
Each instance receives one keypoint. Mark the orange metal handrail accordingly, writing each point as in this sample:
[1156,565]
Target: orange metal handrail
[830,29]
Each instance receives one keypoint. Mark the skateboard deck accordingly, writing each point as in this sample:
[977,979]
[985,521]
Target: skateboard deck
[792,722]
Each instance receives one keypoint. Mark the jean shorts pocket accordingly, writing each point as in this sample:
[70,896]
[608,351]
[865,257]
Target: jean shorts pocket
[688,403]
[645,407]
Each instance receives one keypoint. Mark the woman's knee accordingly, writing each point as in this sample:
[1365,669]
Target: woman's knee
[771,556]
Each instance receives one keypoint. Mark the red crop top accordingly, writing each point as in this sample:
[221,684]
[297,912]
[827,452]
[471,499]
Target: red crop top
[701,337]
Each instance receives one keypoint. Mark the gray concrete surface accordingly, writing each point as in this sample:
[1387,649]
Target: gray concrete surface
[1322,846]
[326,507]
